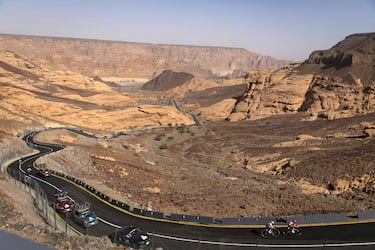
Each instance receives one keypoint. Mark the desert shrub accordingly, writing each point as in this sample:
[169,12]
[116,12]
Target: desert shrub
[170,137]
[164,146]
[181,129]
[158,137]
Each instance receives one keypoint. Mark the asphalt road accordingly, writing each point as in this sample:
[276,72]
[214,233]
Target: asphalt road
[175,235]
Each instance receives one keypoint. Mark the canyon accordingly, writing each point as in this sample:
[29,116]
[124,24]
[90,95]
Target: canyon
[206,136]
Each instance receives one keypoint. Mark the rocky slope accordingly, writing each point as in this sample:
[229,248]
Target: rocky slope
[222,169]
[32,96]
[123,59]
[339,82]
[211,100]
[344,77]
[352,60]
[167,80]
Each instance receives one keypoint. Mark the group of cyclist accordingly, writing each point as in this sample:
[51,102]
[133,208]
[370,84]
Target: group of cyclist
[292,226]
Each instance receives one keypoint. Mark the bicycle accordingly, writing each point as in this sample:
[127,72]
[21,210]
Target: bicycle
[274,233]
[290,232]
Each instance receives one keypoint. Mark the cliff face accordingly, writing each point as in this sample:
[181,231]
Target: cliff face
[272,93]
[351,59]
[123,59]
[333,83]
[344,82]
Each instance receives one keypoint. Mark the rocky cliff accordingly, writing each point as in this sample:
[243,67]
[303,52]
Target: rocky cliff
[352,59]
[333,83]
[124,59]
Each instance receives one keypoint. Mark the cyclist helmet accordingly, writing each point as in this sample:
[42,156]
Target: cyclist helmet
[272,222]
[294,221]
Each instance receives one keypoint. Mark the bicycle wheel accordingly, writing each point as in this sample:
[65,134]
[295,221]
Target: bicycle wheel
[264,233]
[297,231]
[287,232]
[275,232]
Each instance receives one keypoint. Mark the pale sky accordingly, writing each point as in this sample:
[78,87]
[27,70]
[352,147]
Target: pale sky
[284,29]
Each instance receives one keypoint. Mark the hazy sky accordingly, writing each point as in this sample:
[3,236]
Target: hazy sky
[284,29]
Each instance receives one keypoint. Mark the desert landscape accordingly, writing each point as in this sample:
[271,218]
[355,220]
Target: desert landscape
[262,137]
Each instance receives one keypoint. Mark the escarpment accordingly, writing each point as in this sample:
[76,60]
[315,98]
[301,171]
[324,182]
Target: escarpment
[129,59]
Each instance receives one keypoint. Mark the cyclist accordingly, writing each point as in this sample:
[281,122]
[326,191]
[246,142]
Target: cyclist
[292,225]
[269,226]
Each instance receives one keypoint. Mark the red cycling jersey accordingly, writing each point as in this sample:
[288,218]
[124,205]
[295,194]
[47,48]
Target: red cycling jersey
[292,223]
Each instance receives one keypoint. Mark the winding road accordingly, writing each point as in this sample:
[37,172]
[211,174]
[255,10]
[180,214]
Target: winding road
[166,233]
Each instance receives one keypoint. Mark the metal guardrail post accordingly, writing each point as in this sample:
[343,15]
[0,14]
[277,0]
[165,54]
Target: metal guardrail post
[37,196]
[54,214]
[46,206]
[66,224]
[115,237]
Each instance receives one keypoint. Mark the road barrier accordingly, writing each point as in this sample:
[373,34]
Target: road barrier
[148,213]
[240,221]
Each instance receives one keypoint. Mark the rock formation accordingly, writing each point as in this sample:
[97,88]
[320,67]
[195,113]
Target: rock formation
[352,60]
[124,59]
[272,93]
[344,81]
[334,83]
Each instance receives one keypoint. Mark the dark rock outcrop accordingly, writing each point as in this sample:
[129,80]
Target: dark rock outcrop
[168,79]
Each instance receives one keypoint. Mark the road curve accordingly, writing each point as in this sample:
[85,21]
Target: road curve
[170,234]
